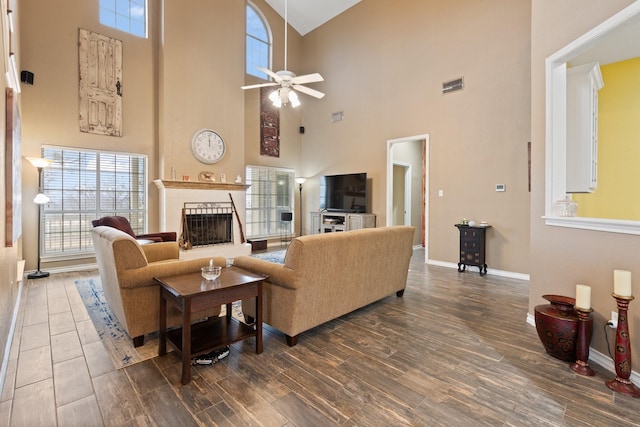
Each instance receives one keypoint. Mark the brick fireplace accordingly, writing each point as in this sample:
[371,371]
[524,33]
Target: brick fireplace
[175,195]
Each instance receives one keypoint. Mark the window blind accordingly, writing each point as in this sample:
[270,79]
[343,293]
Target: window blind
[84,185]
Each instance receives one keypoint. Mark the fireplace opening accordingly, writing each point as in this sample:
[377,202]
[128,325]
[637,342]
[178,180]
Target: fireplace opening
[206,224]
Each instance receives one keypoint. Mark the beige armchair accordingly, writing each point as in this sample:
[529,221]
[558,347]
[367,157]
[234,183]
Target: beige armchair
[127,270]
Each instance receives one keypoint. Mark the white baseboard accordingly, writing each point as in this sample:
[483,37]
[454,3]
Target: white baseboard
[596,357]
[490,271]
[70,268]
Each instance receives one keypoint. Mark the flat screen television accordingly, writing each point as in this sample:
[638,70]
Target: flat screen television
[344,193]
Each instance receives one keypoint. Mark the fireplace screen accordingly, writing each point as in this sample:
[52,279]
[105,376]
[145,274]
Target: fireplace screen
[206,224]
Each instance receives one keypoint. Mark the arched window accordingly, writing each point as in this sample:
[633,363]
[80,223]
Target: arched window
[258,42]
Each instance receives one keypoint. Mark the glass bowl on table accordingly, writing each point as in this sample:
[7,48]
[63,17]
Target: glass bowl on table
[211,272]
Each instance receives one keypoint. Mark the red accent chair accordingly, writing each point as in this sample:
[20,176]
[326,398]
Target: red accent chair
[121,223]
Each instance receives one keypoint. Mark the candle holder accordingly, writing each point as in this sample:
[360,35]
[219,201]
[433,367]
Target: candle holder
[583,341]
[623,351]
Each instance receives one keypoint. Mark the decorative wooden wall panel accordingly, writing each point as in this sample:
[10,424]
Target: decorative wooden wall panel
[269,125]
[100,84]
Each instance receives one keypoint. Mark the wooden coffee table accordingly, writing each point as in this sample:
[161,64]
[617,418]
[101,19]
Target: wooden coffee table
[191,293]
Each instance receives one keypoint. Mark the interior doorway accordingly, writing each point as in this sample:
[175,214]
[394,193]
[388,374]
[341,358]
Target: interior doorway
[401,209]
[408,184]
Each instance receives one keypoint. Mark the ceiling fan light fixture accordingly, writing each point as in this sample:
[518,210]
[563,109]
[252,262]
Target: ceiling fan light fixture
[293,98]
[274,96]
[287,80]
[284,96]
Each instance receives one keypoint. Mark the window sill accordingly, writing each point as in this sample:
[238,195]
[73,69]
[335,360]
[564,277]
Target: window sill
[595,224]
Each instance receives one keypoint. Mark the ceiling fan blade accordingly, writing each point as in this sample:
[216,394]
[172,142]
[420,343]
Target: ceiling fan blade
[258,85]
[307,78]
[273,75]
[308,91]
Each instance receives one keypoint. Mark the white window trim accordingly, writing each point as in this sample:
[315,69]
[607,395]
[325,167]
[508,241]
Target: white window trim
[556,100]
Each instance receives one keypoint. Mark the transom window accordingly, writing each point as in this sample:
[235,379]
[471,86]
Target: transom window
[126,15]
[83,185]
[269,194]
[258,42]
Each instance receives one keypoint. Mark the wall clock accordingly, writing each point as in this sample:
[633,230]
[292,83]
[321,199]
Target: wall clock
[207,146]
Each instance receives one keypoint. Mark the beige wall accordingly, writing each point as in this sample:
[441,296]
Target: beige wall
[202,69]
[384,67]
[49,49]
[563,257]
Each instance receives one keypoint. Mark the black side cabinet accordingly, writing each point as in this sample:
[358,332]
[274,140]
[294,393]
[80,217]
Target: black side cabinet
[472,247]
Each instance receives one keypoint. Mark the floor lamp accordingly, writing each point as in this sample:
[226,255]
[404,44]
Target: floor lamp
[39,200]
[300,181]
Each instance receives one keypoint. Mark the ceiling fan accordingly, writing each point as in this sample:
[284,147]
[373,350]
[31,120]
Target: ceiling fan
[287,80]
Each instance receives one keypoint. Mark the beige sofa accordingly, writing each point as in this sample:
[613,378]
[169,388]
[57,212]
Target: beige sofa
[325,276]
[127,270]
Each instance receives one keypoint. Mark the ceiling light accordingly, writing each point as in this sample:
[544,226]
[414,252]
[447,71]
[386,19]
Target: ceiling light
[274,97]
[293,98]
[284,96]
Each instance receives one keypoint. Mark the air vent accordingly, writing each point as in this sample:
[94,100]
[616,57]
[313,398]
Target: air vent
[337,117]
[453,85]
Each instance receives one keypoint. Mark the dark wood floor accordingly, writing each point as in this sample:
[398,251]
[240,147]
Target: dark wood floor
[454,351]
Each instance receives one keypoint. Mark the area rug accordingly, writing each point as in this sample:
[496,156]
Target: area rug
[115,339]
[274,256]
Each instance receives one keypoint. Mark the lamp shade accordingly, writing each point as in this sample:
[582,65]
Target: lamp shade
[39,162]
[300,180]
[275,98]
[41,199]
[293,98]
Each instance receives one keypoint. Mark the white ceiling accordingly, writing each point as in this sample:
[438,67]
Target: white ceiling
[306,15]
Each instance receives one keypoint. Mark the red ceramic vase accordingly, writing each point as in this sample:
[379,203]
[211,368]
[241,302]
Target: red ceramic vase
[557,326]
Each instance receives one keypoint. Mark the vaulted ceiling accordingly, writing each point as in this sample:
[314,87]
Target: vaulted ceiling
[306,15]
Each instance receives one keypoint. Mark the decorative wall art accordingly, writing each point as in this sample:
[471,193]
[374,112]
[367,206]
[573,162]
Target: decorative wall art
[100,104]
[269,125]
[13,170]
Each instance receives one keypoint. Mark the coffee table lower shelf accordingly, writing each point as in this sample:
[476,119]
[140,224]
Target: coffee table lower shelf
[212,334]
[189,293]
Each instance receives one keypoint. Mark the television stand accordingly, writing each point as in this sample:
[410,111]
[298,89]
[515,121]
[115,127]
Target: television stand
[332,222]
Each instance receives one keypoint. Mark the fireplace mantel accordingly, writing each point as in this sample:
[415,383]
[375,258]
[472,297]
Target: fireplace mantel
[200,185]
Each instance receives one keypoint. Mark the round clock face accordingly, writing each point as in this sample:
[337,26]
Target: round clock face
[207,146]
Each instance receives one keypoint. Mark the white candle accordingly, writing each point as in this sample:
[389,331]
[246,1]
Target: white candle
[583,296]
[622,283]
